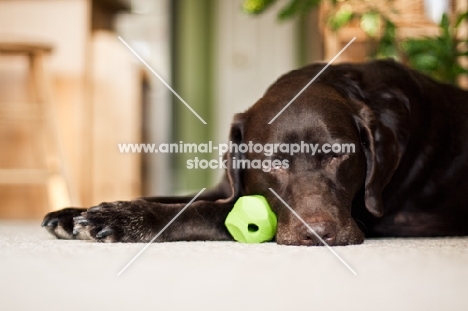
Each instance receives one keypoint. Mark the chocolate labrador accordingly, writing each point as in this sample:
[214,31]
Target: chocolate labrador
[406,177]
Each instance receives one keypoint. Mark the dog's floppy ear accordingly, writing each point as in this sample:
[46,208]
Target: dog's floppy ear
[383,128]
[233,174]
[382,157]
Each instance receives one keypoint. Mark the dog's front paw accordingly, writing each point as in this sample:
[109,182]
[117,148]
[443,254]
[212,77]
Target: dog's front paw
[116,222]
[60,223]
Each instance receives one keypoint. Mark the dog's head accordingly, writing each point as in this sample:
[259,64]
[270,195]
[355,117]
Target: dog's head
[358,144]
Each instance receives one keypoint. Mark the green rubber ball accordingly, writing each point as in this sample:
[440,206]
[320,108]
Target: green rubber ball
[251,220]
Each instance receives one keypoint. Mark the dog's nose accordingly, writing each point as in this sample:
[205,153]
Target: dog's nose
[326,230]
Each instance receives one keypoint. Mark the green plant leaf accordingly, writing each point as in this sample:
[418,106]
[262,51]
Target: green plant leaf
[297,7]
[413,47]
[289,10]
[460,18]
[425,62]
[444,25]
[256,6]
[370,23]
[390,28]
[387,47]
[340,19]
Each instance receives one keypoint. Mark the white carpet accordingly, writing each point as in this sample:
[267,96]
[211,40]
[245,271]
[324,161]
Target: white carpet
[38,272]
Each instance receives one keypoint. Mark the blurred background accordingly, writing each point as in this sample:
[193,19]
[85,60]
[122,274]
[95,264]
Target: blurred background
[70,91]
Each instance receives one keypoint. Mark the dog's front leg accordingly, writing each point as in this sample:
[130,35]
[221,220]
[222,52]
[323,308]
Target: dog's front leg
[141,220]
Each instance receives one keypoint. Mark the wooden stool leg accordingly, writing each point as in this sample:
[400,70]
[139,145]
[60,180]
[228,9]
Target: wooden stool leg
[58,183]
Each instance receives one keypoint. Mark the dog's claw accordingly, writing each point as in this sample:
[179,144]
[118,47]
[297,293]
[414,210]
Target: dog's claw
[60,223]
[81,220]
[101,207]
[106,222]
[50,222]
[104,233]
[94,208]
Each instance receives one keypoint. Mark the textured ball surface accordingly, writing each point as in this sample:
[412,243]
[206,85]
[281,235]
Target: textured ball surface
[251,220]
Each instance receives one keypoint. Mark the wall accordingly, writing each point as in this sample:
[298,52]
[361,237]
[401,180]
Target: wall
[252,52]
